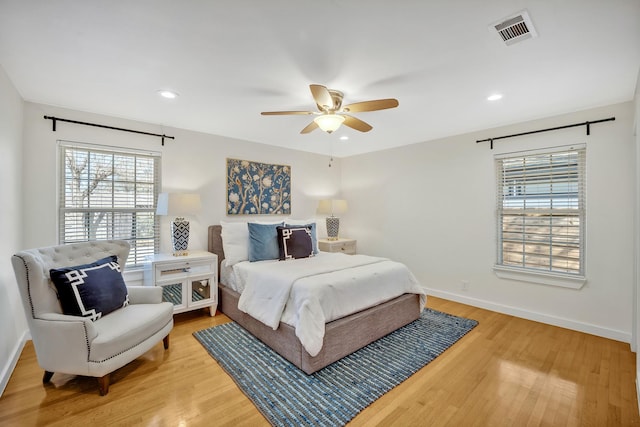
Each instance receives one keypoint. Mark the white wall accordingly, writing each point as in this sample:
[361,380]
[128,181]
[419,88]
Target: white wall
[13,326]
[193,162]
[432,206]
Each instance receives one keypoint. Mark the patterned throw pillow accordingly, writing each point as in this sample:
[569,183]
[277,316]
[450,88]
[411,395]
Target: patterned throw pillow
[306,223]
[91,290]
[294,242]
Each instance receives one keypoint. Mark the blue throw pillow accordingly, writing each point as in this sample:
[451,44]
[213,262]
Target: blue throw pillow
[263,241]
[91,290]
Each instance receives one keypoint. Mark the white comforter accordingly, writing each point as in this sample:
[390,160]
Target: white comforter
[307,293]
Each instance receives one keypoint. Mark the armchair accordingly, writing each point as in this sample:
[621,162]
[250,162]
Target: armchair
[77,345]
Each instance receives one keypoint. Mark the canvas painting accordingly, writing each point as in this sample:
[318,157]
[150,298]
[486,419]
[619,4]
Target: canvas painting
[255,188]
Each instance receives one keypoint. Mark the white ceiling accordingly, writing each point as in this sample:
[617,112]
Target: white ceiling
[232,59]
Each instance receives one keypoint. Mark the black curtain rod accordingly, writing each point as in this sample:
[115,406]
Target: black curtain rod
[587,124]
[58,119]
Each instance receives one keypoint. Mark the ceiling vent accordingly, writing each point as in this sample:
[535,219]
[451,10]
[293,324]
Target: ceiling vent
[515,28]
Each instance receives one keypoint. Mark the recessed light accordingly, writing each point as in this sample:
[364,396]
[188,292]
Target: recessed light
[344,138]
[169,94]
[494,97]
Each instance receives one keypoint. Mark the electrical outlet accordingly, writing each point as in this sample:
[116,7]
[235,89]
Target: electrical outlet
[465,285]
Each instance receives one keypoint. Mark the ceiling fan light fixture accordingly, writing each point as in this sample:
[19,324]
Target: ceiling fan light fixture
[329,122]
[329,102]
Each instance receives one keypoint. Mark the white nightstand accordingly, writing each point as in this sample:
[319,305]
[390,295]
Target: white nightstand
[189,282]
[347,246]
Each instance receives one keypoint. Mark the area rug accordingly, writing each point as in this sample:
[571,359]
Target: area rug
[287,396]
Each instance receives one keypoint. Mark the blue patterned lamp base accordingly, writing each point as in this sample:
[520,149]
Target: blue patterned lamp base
[333,226]
[180,236]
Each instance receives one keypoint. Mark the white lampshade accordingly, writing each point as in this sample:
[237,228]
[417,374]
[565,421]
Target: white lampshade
[178,204]
[332,206]
[329,122]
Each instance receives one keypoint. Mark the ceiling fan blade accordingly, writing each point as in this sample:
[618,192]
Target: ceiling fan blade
[378,104]
[356,124]
[311,126]
[322,97]
[279,113]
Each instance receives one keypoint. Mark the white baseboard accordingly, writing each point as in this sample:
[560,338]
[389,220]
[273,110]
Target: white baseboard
[10,365]
[637,390]
[535,316]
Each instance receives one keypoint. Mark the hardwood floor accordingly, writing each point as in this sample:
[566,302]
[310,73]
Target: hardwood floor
[506,372]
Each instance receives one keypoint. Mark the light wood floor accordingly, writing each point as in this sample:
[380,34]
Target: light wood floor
[506,372]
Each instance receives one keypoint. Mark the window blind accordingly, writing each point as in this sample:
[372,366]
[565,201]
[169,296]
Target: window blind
[541,210]
[109,194]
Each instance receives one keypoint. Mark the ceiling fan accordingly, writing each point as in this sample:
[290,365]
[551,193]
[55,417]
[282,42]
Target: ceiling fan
[331,113]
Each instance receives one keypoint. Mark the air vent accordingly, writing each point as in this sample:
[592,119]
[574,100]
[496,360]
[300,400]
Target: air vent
[515,28]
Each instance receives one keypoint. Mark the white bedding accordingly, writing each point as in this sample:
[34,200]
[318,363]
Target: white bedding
[307,293]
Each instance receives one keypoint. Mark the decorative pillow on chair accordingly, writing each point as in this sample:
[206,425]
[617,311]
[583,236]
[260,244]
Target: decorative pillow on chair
[263,241]
[294,242]
[91,290]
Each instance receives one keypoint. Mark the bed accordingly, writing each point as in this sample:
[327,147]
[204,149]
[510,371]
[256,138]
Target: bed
[342,336]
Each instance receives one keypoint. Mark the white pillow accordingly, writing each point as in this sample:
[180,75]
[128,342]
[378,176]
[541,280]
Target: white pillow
[235,241]
[291,221]
[275,221]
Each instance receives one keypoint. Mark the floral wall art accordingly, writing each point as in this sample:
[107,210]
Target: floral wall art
[255,188]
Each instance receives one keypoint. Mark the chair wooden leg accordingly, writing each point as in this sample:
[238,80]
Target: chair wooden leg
[103,383]
[165,342]
[46,377]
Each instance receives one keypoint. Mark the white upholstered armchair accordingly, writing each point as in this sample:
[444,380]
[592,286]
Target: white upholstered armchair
[79,345]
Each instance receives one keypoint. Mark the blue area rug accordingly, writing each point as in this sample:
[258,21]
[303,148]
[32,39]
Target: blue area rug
[286,396]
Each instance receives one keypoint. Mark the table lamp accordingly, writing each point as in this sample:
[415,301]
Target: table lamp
[332,207]
[179,205]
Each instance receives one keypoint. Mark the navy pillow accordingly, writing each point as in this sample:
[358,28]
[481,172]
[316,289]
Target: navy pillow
[263,241]
[314,238]
[91,290]
[294,242]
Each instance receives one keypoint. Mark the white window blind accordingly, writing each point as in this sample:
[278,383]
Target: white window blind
[541,210]
[109,194]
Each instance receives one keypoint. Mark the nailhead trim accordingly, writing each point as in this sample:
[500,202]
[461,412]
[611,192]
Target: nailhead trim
[126,350]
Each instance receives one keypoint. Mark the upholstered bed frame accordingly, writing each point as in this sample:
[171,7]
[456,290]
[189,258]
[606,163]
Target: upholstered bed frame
[342,336]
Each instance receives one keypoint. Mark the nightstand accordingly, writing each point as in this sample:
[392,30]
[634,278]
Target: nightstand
[347,246]
[188,282]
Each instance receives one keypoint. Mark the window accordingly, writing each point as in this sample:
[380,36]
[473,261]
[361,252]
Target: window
[109,193]
[541,211]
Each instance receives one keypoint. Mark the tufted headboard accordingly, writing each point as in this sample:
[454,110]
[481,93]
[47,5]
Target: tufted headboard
[215,242]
